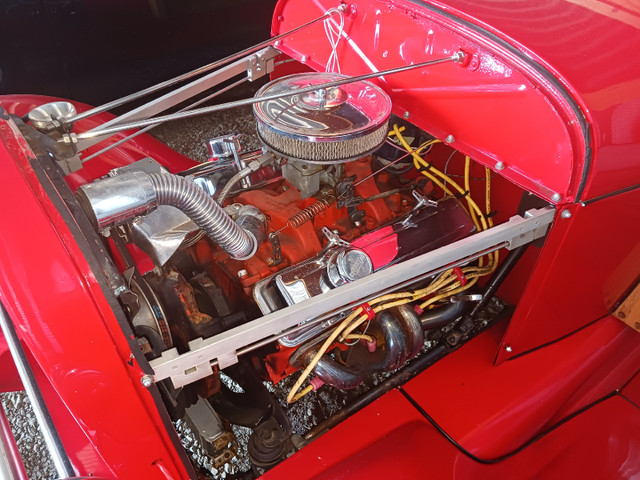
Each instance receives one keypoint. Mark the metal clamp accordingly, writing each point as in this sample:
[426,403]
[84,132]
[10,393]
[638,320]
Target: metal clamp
[259,66]
[334,239]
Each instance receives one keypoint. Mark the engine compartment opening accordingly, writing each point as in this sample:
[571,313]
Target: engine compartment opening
[412,195]
[275,290]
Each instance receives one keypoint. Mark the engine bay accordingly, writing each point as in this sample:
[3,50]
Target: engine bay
[275,291]
[314,226]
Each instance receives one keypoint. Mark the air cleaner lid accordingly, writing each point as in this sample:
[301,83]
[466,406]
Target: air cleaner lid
[309,126]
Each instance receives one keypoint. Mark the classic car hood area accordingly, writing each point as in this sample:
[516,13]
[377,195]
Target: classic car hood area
[421,270]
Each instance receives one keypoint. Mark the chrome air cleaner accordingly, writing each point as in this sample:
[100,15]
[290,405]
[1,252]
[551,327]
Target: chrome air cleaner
[328,125]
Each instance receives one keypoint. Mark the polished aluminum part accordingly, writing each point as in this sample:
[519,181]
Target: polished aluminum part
[251,219]
[49,432]
[245,167]
[332,268]
[161,233]
[226,146]
[353,264]
[123,197]
[51,115]
[105,130]
[325,125]
[118,199]
[224,348]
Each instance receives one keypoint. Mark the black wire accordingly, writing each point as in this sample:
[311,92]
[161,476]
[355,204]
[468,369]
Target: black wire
[491,461]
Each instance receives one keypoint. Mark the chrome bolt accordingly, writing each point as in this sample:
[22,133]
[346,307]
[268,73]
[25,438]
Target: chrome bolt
[119,290]
[304,59]
[146,381]
[499,166]
[565,214]
[242,273]
[508,349]
[276,43]
[450,139]
[458,57]
[555,197]
[406,114]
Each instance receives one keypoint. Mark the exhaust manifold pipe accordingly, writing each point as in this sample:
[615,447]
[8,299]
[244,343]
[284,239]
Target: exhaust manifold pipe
[119,199]
[402,331]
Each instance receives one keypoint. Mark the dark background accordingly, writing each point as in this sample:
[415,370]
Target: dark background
[97,50]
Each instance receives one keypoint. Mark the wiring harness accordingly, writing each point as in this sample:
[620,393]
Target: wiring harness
[447,284]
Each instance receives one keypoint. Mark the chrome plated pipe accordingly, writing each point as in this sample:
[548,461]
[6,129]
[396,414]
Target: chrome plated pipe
[205,212]
[403,339]
[97,132]
[49,432]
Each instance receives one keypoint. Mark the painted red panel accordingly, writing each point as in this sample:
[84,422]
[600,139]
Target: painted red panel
[601,443]
[65,321]
[495,106]
[9,380]
[588,262]
[605,78]
[491,409]
[632,390]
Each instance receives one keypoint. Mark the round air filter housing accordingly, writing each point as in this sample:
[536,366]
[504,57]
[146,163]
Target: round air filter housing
[328,125]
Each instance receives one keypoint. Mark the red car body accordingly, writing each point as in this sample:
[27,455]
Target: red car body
[548,97]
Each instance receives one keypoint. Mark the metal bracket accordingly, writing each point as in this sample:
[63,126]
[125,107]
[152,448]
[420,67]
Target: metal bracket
[263,64]
[224,347]
[422,200]
[333,239]
[260,64]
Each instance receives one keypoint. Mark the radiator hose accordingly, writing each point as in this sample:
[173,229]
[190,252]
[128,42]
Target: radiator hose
[119,199]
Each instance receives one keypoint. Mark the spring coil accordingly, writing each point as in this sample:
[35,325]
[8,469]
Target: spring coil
[309,213]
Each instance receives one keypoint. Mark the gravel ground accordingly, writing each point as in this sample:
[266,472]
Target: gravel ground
[190,135]
[24,426]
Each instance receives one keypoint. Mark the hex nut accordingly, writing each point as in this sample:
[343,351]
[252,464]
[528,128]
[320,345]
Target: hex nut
[146,380]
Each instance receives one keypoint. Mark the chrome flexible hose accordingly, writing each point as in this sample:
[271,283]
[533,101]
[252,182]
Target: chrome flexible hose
[205,212]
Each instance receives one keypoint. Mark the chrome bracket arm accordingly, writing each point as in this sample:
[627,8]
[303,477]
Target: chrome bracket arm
[254,66]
